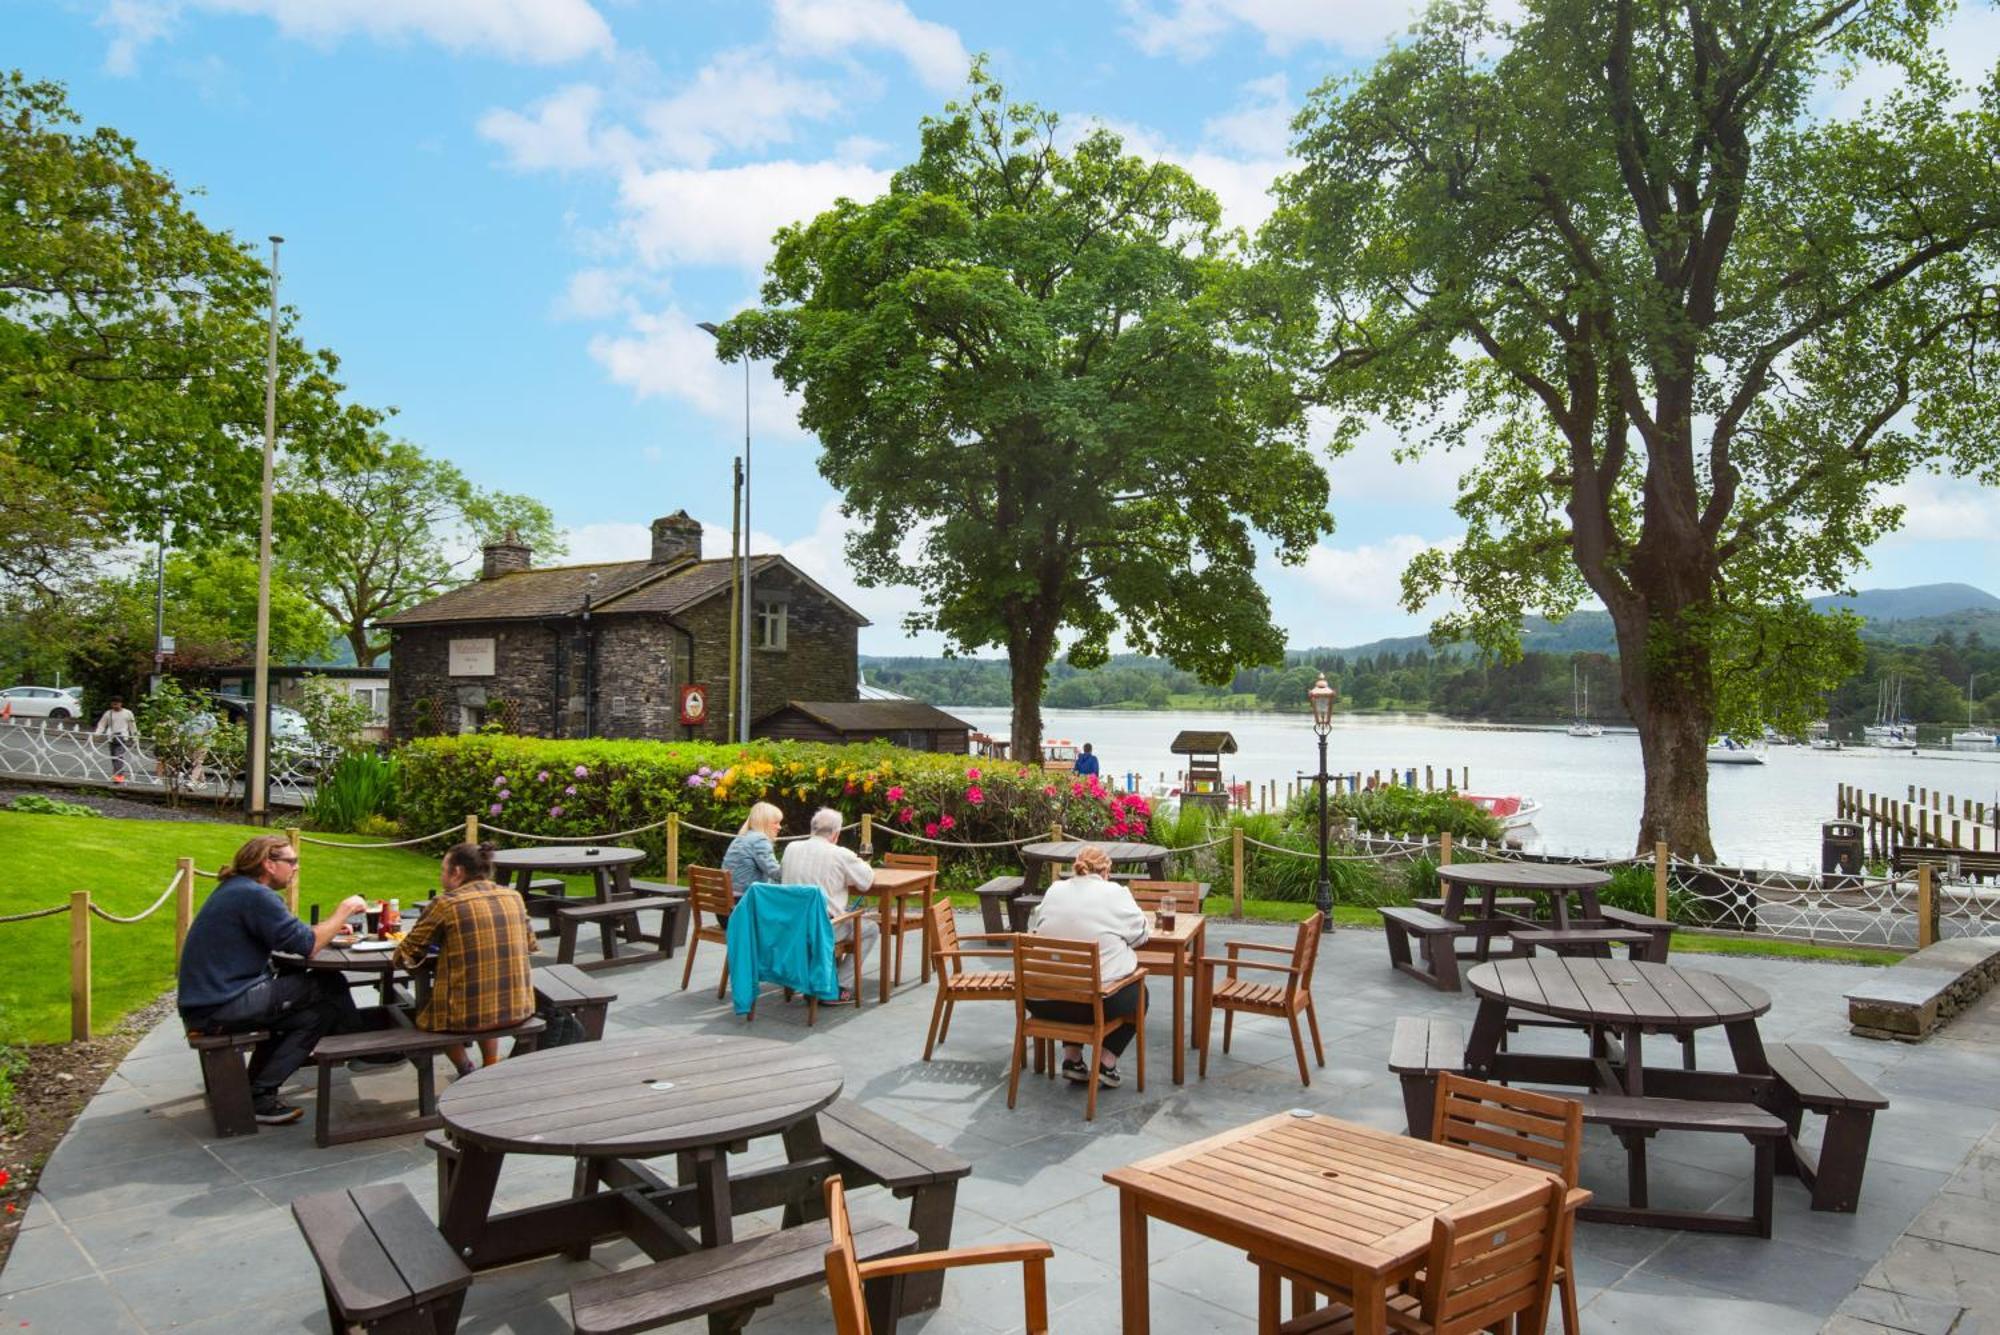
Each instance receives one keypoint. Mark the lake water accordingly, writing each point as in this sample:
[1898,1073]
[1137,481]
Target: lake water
[1590,788]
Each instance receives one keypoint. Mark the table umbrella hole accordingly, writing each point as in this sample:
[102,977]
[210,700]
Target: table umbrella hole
[661,1085]
[1329,1173]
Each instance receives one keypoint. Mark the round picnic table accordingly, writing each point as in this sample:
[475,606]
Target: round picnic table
[609,1103]
[1050,853]
[608,865]
[1624,998]
[1557,881]
[381,963]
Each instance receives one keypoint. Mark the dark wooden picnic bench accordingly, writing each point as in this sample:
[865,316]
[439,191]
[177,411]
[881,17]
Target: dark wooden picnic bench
[1580,940]
[1811,1079]
[1659,930]
[1437,938]
[565,987]
[401,1039]
[996,900]
[382,1265]
[615,919]
[1420,1049]
[1636,1120]
[225,1078]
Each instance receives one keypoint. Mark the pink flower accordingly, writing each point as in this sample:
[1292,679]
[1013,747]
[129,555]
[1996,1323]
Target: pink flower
[554,812]
[1076,788]
[493,810]
[931,829]
[975,795]
[694,781]
[848,788]
[946,822]
[506,794]
[499,781]
[895,793]
[1048,790]
[972,776]
[543,777]
[581,772]
[906,815]
[570,791]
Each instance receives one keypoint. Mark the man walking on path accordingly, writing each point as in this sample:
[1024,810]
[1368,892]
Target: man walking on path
[117,725]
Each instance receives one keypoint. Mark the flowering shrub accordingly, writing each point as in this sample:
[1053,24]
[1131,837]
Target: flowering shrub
[546,787]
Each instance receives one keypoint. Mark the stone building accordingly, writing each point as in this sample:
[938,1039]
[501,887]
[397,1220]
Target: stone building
[603,650]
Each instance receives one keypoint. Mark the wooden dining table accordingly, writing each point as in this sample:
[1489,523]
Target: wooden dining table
[1176,951]
[1330,1199]
[891,886]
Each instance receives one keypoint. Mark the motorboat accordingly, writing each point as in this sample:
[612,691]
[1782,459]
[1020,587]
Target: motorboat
[1726,750]
[1511,811]
[1580,725]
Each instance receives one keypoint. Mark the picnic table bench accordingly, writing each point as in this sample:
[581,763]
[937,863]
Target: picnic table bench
[1581,940]
[996,900]
[1811,1079]
[225,1078]
[610,916]
[402,1039]
[1636,1120]
[1419,1050]
[565,987]
[381,1263]
[1436,938]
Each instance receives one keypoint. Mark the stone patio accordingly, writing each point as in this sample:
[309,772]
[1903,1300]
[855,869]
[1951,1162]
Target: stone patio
[143,1222]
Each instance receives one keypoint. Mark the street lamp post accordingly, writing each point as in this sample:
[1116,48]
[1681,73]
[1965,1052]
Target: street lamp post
[1322,697]
[743,630]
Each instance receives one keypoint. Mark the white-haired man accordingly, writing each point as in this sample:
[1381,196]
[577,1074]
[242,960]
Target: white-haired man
[837,871]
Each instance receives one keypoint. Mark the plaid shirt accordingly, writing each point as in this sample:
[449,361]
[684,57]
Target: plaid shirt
[481,975]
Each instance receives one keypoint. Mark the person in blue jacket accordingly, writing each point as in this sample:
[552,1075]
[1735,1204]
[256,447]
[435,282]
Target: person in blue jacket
[1087,762]
[228,985]
[752,855]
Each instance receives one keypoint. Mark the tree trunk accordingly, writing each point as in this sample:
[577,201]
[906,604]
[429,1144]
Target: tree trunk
[365,653]
[1669,698]
[1029,650]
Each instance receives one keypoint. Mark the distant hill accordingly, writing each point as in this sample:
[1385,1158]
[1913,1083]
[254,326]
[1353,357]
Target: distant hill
[1915,615]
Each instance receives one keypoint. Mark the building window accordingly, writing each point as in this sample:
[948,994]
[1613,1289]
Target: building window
[770,623]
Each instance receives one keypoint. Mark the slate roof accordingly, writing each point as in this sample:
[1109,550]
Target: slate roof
[1191,742]
[875,715]
[622,587]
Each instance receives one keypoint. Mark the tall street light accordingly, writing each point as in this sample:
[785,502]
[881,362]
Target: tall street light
[743,631]
[1322,697]
[257,792]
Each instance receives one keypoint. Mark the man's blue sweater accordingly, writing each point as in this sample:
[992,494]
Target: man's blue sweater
[229,944]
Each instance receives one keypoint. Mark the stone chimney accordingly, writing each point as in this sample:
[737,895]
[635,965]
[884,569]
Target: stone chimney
[506,556]
[676,538]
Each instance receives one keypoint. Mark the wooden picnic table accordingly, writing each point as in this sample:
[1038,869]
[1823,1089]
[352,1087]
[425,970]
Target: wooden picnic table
[890,887]
[1554,881]
[609,867]
[1177,949]
[379,963]
[1331,1199]
[609,1104]
[1037,858]
[1627,999]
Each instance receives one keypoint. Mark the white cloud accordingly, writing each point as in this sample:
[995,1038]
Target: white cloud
[1371,472]
[1192,28]
[1943,509]
[593,294]
[666,354]
[560,133]
[727,215]
[1260,124]
[740,100]
[1367,578]
[535,32]
[834,27]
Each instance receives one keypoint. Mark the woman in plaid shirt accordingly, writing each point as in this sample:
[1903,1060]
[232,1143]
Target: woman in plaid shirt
[481,935]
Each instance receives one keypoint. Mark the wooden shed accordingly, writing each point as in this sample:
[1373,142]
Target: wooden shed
[907,723]
[1204,752]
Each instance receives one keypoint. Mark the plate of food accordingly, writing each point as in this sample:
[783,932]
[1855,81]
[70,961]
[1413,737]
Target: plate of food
[360,946]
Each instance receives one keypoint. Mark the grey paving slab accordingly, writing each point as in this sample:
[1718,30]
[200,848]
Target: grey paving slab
[146,1215]
[1887,1310]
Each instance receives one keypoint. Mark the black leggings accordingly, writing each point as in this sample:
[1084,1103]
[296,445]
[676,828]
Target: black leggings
[1120,1005]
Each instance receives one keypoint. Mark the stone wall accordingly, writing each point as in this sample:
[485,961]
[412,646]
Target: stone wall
[819,662]
[425,698]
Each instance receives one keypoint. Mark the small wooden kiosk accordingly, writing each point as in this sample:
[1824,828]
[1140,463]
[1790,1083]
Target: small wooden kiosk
[1204,784]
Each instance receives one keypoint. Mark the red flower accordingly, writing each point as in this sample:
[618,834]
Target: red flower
[972,776]
[946,823]
[931,829]
[1048,790]
[975,795]
[895,793]
[906,815]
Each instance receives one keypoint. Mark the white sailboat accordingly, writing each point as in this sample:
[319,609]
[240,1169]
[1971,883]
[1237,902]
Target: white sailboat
[1726,750]
[1972,739]
[1580,724]
[1889,730]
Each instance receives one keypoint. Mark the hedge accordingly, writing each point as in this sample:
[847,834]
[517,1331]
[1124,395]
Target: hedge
[595,787]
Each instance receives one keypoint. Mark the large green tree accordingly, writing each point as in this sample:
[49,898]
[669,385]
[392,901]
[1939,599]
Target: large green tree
[368,535]
[1697,314]
[132,337]
[1023,364]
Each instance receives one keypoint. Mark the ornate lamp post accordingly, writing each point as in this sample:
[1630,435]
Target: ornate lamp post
[1322,697]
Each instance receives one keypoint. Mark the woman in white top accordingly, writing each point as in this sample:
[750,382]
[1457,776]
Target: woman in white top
[1089,906]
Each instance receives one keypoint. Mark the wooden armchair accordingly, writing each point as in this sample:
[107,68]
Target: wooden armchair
[849,949]
[955,982]
[1048,969]
[909,912]
[1489,1268]
[710,893]
[845,1276]
[1288,999]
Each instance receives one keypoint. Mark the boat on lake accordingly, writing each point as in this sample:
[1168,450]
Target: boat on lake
[1511,810]
[1890,730]
[1726,750]
[1580,725]
[1973,739]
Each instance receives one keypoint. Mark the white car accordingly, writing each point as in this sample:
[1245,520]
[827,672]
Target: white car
[43,701]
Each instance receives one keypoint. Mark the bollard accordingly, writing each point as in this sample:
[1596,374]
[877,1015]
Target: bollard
[79,965]
[183,904]
[1926,908]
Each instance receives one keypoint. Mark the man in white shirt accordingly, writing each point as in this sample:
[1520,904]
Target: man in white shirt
[120,729]
[821,861]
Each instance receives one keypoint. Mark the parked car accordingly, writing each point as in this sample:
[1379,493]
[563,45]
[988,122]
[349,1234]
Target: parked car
[44,701]
[287,724]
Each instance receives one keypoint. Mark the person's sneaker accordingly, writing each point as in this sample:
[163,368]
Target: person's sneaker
[1107,1076]
[271,1111]
[1076,1070]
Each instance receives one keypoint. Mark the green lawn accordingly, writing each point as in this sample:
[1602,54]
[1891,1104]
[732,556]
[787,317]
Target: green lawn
[125,864]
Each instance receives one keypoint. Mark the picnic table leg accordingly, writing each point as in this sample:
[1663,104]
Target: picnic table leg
[1371,1302]
[711,1184]
[1746,1045]
[802,1141]
[1635,1070]
[1488,1028]
[1132,1276]
[884,939]
[1180,1020]
[1559,908]
[462,1216]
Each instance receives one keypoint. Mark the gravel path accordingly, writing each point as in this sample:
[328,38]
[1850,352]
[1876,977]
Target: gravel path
[124,808]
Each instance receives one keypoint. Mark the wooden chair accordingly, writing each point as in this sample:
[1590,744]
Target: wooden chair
[845,1275]
[1518,1124]
[710,893]
[955,982]
[1489,1268]
[1148,894]
[1048,969]
[1287,1000]
[849,949]
[909,914]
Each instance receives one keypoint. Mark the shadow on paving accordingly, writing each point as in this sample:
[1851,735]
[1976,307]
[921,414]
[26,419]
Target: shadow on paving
[145,1222]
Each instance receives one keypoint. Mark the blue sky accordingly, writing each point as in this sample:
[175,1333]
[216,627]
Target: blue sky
[506,216]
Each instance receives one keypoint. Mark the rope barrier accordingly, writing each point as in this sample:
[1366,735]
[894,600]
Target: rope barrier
[957,843]
[584,838]
[399,843]
[731,834]
[32,914]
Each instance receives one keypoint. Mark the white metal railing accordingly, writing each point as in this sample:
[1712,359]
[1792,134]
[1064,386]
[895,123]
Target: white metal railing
[38,750]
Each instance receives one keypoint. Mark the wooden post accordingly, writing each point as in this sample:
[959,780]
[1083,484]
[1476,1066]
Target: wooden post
[1444,848]
[471,828]
[1236,868]
[1954,835]
[867,835]
[79,965]
[1660,879]
[1926,908]
[1055,833]
[674,847]
[1464,777]
[1427,778]
[292,890]
[183,904]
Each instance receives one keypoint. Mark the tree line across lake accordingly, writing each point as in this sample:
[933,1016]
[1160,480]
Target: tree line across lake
[1537,688]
